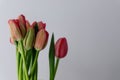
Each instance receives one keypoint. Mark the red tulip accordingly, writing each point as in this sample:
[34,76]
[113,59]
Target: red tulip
[61,48]
[41,25]
[41,39]
[15,30]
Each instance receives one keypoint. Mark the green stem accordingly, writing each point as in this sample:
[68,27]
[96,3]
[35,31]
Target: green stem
[20,70]
[35,72]
[24,62]
[56,67]
[23,74]
[31,63]
[35,78]
[28,59]
[17,59]
[34,63]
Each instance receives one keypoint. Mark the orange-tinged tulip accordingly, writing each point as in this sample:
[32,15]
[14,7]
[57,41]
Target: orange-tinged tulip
[61,48]
[15,30]
[41,39]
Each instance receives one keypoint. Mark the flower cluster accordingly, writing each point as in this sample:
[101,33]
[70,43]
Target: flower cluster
[34,35]
[29,40]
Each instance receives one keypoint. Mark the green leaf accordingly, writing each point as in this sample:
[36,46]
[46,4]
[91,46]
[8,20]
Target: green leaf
[52,58]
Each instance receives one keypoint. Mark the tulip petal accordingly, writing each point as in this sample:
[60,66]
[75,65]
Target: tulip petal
[41,25]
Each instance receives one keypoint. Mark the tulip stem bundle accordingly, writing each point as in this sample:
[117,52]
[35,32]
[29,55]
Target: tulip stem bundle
[26,68]
[29,41]
[24,62]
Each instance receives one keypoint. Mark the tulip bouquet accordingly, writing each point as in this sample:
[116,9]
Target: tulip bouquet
[29,41]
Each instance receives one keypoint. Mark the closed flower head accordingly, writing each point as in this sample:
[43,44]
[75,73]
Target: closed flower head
[41,39]
[61,48]
[15,29]
[29,39]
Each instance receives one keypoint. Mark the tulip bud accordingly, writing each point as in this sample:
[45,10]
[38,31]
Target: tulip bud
[22,24]
[41,39]
[15,30]
[29,39]
[41,25]
[61,48]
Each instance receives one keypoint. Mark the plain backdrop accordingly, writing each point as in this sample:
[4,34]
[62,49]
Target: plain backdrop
[92,29]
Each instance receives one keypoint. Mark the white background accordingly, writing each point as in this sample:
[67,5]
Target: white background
[92,28]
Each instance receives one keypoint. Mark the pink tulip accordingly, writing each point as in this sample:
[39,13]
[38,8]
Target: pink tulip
[41,39]
[15,29]
[61,48]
